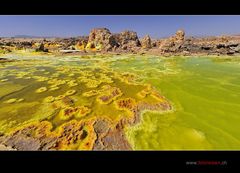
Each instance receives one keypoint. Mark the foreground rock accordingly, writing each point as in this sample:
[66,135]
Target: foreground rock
[109,138]
[6,148]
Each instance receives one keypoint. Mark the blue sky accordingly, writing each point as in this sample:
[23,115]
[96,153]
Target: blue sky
[155,26]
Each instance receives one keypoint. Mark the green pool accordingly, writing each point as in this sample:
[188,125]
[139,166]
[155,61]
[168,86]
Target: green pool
[205,93]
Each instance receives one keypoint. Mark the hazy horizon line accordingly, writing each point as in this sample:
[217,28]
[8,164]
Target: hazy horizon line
[74,36]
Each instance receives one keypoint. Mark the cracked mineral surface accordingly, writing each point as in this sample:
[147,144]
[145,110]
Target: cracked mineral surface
[71,105]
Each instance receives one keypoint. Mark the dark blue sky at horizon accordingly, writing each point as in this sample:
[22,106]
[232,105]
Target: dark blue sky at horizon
[155,26]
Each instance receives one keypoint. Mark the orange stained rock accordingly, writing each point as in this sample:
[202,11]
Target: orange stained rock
[125,104]
[109,95]
[89,136]
[82,111]
[68,112]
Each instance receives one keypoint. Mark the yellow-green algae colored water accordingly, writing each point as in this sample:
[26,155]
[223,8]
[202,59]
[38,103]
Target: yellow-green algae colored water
[204,92]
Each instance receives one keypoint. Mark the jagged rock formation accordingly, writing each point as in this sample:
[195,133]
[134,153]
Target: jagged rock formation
[101,39]
[174,43]
[146,42]
[128,40]
[212,45]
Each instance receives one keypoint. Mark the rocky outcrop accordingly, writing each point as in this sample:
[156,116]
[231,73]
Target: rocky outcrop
[146,42]
[109,138]
[128,40]
[101,39]
[6,148]
[211,45]
[174,43]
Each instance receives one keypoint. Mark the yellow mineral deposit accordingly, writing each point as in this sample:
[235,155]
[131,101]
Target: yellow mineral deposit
[92,83]
[89,137]
[70,92]
[102,93]
[157,96]
[82,111]
[68,112]
[90,47]
[42,89]
[49,99]
[54,88]
[4,80]
[90,93]
[56,82]
[40,78]
[72,83]
[80,45]
[59,97]
[143,93]
[20,100]
[108,96]
[13,100]
[125,104]
[99,47]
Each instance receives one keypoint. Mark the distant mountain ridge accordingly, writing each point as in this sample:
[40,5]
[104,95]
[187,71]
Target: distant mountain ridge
[31,36]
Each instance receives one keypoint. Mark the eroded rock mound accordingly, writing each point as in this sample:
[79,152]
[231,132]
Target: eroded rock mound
[128,40]
[109,137]
[174,43]
[101,39]
[146,42]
